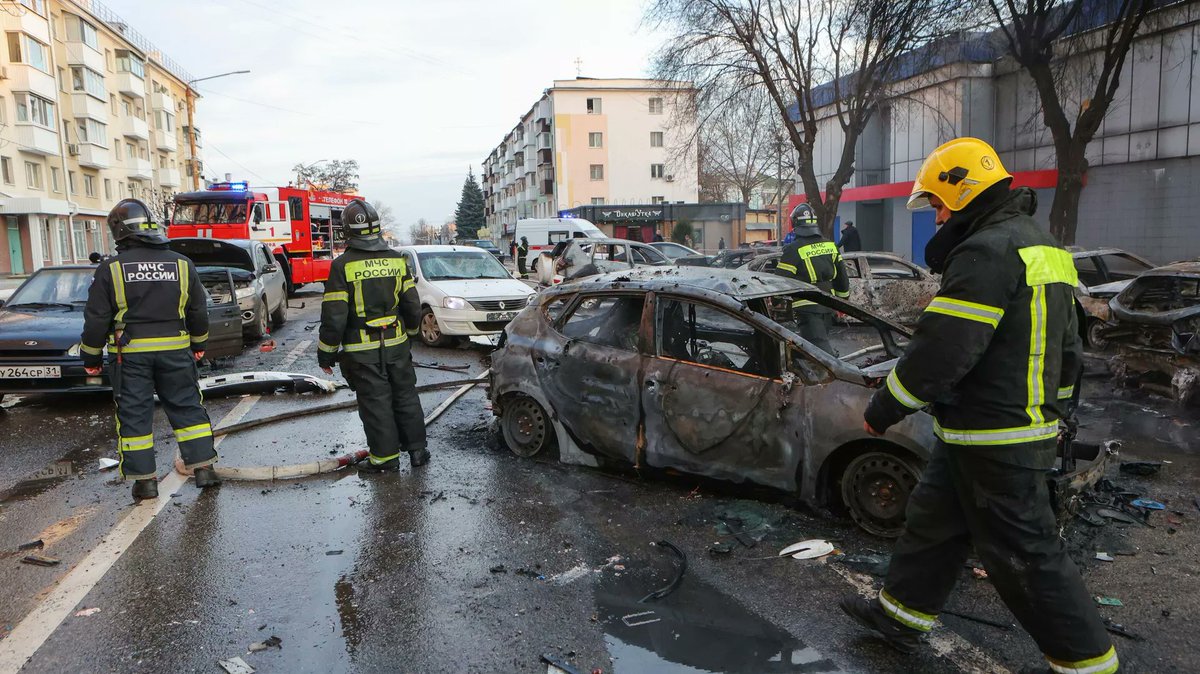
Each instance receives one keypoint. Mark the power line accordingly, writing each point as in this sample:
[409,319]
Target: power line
[281,109]
[240,165]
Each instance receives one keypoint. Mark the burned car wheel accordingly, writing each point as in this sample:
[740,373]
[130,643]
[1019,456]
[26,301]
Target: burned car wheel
[1095,334]
[875,487]
[526,427]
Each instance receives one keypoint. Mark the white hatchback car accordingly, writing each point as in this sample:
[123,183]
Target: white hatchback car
[464,291]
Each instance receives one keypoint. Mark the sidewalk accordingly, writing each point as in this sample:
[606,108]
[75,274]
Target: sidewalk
[8,285]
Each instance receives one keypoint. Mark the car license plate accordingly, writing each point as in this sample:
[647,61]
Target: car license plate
[501,316]
[30,372]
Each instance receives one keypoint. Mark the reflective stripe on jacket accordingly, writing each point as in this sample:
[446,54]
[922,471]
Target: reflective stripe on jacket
[815,260]
[370,301]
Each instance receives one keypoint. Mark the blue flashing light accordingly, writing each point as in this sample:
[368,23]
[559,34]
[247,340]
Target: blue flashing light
[240,186]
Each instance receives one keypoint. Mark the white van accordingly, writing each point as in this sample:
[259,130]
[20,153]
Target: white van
[544,233]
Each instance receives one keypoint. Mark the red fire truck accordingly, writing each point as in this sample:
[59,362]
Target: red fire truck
[302,227]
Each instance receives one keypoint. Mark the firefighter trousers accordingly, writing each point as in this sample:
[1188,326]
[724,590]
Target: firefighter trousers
[964,497]
[385,382]
[813,324]
[172,375]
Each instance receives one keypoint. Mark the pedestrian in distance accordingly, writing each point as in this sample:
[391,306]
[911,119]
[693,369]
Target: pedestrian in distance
[812,258]
[850,242]
[368,313]
[147,306]
[721,244]
[995,357]
[522,253]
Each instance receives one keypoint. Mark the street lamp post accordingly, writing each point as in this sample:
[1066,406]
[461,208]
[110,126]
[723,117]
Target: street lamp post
[191,111]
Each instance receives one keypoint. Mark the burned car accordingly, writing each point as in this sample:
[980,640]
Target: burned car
[582,257]
[886,284]
[697,370]
[1103,273]
[1157,330]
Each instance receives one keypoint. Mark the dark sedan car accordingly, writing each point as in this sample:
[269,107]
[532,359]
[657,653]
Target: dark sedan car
[41,323]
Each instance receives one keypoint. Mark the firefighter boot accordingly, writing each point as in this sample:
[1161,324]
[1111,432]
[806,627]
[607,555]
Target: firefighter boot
[389,466]
[145,489]
[870,615]
[418,458]
[206,477]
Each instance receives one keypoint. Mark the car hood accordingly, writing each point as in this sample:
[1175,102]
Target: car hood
[50,328]
[213,253]
[1108,289]
[480,288]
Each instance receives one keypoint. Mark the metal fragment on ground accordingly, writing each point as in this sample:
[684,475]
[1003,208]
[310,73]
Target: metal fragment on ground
[810,549]
[241,383]
[235,666]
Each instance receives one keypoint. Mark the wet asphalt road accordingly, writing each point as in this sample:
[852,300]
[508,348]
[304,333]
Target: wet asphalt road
[482,562]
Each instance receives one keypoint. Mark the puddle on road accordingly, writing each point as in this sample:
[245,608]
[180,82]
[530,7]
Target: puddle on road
[696,629]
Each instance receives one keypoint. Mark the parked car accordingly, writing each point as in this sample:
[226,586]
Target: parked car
[696,370]
[41,322]
[673,251]
[730,258]
[544,234]
[1157,329]
[579,258]
[886,284]
[1103,273]
[260,285]
[485,244]
[464,291]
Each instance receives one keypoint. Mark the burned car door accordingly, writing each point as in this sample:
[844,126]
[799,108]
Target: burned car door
[587,364]
[714,399]
[224,319]
[899,290]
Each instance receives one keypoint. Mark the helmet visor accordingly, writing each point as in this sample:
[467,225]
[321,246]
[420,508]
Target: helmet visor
[918,200]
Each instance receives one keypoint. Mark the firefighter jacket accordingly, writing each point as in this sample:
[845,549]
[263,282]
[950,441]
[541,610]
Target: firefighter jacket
[816,260]
[370,301]
[152,296]
[997,352]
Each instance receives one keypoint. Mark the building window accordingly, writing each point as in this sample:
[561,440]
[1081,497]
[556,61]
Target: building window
[656,139]
[656,106]
[597,201]
[108,60]
[86,80]
[55,179]
[657,170]
[658,200]
[79,30]
[91,131]
[107,188]
[117,149]
[3,110]
[79,238]
[593,106]
[120,188]
[126,106]
[38,6]
[6,169]
[33,175]
[89,185]
[112,98]
[595,139]
[24,49]
[72,184]
[597,171]
[165,121]
[36,110]
[129,62]
[62,80]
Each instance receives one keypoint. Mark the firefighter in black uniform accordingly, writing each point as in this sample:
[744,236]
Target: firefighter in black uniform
[995,356]
[813,259]
[522,255]
[369,311]
[148,306]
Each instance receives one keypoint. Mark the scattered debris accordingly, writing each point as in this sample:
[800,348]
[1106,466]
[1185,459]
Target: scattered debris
[639,619]
[1108,601]
[1147,503]
[331,553]
[874,564]
[980,574]
[1142,468]
[1116,515]
[1104,557]
[270,642]
[978,619]
[32,545]
[439,366]
[266,382]
[810,549]
[39,560]
[499,568]
[108,464]
[235,666]
[83,613]
[558,663]
[267,346]
[676,581]
[720,548]
[1117,628]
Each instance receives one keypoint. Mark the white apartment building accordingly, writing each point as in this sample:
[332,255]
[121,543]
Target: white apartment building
[90,113]
[594,142]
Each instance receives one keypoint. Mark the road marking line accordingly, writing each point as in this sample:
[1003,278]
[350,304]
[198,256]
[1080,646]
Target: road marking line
[295,354]
[33,630]
[945,643]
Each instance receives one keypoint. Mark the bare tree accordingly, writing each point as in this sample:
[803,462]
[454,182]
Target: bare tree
[338,175]
[422,232]
[387,217]
[1035,32]
[739,151]
[824,65]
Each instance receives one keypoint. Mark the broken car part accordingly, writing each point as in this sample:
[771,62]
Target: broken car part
[675,582]
[244,383]
[559,664]
[40,560]
[810,549]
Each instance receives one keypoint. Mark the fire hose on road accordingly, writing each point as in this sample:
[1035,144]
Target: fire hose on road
[292,471]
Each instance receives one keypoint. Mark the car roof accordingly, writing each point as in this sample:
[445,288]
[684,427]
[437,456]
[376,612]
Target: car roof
[1186,268]
[69,267]
[1076,251]
[737,283]
[589,239]
[434,248]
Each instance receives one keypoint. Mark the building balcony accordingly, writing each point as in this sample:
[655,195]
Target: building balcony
[87,106]
[36,139]
[545,157]
[79,54]
[91,156]
[196,132]
[544,141]
[23,77]
[547,187]
[165,141]
[132,127]
[139,169]
[167,177]
[161,101]
[129,84]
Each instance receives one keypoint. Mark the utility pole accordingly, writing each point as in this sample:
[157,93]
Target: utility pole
[191,112]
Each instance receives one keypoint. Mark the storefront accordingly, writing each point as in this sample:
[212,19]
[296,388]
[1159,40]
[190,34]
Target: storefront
[708,223]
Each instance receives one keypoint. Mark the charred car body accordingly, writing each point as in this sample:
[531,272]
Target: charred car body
[696,370]
[582,257]
[1103,273]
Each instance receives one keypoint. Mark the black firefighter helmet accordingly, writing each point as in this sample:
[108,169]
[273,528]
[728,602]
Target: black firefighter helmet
[132,219]
[360,221]
[804,217]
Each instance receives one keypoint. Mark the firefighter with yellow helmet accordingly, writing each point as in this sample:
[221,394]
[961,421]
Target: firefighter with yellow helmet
[995,358]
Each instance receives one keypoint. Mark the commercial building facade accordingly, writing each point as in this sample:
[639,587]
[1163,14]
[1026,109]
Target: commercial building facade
[1143,163]
[593,142]
[90,113]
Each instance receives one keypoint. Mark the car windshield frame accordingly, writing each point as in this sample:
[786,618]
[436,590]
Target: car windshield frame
[437,260]
[40,281]
[211,213]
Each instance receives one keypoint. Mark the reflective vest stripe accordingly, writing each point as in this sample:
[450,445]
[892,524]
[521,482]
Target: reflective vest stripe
[183,288]
[1047,430]
[193,432]
[137,443]
[905,615]
[971,311]
[91,350]
[1066,392]
[1037,355]
[335,296]
[151,344]
[119,291]
[328,348]
[1105,664]
[360,307]
[375,461]
[787,267]
[901,394]
[841,294]
[369,345]
[199,338]
[1048,264]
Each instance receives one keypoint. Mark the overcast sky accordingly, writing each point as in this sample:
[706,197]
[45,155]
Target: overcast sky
[416,90]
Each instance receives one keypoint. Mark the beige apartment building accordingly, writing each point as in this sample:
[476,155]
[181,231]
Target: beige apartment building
[594,142]
[90,113]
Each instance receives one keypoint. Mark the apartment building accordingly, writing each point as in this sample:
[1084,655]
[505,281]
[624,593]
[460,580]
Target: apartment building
[91,112]
[1144,162]
[594,142]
